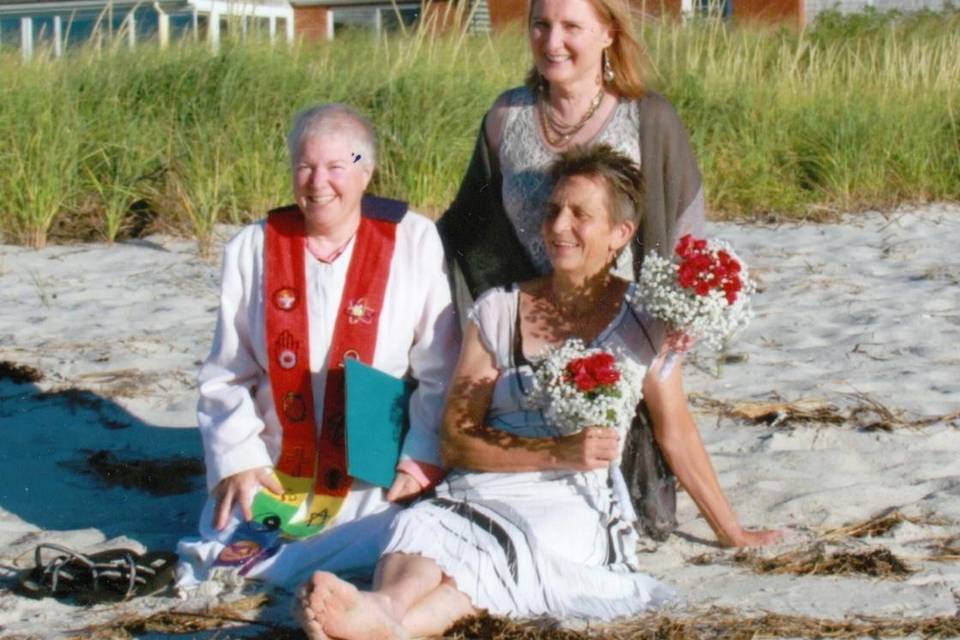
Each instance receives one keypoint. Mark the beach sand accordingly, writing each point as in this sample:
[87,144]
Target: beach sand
[859,320]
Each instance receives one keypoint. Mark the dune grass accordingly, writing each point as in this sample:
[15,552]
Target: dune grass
[854,113]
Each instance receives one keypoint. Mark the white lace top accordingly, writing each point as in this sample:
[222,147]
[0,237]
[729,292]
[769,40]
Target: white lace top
[524,159]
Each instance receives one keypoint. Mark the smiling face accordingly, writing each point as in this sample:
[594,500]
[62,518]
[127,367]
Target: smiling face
[582,239]
[567,40]
[328,184]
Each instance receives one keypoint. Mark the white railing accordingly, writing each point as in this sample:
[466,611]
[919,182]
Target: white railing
[215,11]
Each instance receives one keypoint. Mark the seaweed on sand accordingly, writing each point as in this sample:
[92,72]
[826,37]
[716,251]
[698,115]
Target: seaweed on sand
[19,373]
[157,476]
[717,623]
[713,623]
[946,549]
[880,524]
[867,414]
[814,560]
[217,616]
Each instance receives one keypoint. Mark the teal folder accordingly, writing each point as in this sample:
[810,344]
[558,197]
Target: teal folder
[377,420]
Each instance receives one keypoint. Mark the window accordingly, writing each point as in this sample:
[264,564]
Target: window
[379,18]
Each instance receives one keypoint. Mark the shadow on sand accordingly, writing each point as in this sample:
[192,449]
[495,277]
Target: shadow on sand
[72,459]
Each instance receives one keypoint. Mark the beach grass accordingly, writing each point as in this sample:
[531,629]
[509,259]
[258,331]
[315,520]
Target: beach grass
[854,113]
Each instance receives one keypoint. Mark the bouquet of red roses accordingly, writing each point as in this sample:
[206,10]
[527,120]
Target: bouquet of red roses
[580,387]
[704,291]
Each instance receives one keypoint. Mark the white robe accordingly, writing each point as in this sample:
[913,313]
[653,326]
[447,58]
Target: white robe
[417,335]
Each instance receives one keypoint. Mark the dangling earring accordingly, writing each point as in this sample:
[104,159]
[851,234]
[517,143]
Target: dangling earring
[542,85]
[608,74]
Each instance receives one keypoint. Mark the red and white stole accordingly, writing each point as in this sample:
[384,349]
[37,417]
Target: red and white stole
[307,462]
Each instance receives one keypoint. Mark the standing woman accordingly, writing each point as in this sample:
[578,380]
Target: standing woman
[586,87]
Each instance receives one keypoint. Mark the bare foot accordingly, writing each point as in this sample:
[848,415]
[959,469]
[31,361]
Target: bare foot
[345,613]
[306,616]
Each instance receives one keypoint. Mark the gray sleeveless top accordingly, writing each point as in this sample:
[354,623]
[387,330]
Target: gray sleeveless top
[524,158]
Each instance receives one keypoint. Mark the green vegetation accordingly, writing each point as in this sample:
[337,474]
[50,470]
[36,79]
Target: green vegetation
[856,112]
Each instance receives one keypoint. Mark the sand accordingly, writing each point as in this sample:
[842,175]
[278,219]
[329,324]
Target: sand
[862,313]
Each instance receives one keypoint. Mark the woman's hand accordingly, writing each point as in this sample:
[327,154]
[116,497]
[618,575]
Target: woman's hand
[241,487]
[591,448]
[404,487]
[751,538]
[678,341]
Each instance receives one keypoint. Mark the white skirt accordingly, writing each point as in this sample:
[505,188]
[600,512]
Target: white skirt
[532,544]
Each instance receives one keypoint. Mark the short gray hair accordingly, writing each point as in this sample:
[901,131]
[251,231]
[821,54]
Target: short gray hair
[621,177]
[333,118]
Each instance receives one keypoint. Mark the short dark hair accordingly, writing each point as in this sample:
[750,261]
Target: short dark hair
[621,176]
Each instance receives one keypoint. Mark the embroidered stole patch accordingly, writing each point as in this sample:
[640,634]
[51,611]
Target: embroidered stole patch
[313,471]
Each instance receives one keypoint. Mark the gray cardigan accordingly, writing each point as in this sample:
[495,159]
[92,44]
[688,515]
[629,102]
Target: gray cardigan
[483,251]
[482,247]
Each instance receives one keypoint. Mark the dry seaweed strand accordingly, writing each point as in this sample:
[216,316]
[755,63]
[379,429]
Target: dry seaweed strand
[124,383]
[771,412]
[868,415]
[19,373]
[814,561]
[714,623]
[497,628]
[880,524]
[946,549]
[173,621]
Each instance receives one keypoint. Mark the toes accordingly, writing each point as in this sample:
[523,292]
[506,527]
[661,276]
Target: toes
[315,632]
[308,620]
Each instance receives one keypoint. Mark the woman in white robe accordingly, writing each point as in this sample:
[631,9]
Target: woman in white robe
[332,153]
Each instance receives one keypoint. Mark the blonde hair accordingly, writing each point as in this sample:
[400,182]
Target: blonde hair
[626,54]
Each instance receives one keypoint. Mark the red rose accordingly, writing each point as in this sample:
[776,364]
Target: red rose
[607,376]
[731,288]
[593,371]
[684,245]
[686,275]
[701,263]
[604,368]
[584,381]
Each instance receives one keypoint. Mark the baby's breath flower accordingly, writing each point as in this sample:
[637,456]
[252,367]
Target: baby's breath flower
[710,318]
[569,407]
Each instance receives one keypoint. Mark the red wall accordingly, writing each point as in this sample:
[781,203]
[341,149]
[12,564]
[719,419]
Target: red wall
[310,22]
[771,11]
[503,12]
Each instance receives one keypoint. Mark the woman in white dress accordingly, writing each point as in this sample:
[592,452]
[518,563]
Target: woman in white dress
[528,523]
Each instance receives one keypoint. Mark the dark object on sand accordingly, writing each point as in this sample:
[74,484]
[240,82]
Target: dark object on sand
[158,477]
[19,373]
[649,479]
[105,576]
